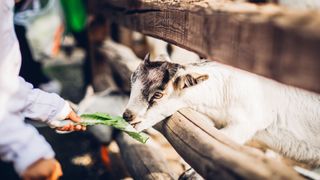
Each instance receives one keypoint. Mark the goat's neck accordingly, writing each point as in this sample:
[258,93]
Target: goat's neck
[211,96]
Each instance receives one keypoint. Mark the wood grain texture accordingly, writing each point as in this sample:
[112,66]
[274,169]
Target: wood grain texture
[101,73]
[142,161]
[213,156]
[122,61]
[273,41]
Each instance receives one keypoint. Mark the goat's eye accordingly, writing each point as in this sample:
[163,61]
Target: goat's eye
[157,95]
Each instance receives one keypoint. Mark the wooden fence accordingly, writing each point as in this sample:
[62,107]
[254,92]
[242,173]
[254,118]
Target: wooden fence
[269,40]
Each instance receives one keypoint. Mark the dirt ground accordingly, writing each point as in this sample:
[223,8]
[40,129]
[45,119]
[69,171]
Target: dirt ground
[79,152]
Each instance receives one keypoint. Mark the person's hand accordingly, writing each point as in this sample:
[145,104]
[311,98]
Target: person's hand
[70,127]
[46,169]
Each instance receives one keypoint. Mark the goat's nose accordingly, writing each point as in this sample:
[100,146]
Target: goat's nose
[128,115]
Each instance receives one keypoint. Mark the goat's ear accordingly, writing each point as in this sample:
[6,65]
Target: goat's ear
[146,59]
[189,80]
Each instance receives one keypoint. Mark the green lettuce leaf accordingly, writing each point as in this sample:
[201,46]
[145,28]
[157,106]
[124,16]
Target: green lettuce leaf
[115,121]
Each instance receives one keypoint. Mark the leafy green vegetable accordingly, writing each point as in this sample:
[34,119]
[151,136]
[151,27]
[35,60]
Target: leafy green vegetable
[114,121]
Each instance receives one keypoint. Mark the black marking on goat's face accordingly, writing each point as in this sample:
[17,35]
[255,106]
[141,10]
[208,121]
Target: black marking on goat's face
[154,76]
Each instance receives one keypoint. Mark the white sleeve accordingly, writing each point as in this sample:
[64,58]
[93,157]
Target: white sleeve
[21,144]
[10,58]
[9,81]
[39,105]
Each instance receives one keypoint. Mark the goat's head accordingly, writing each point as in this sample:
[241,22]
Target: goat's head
[157,89]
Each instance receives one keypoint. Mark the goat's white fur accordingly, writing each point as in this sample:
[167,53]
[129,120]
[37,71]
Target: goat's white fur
[247,106]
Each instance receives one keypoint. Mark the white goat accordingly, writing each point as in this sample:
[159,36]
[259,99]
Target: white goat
[244,105]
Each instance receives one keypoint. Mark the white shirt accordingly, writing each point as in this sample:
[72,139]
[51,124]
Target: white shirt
[20,143]
[10,57]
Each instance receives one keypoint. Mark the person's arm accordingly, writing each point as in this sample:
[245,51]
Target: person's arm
[45,107]
[21,144]
[39,105]
[8,77]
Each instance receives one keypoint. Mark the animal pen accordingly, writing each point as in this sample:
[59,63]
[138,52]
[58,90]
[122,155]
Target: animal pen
[272,40]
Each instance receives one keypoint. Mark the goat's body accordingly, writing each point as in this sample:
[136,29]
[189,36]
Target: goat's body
[248,106]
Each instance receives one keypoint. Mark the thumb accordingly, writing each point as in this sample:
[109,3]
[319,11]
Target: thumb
[73,116]
[57,172]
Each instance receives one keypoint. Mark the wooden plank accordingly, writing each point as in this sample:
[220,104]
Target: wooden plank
[276,42]
[97,32]
[122,61]
[220,158]
[142,161]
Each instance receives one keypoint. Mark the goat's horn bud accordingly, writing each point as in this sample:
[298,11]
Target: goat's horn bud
[147,58]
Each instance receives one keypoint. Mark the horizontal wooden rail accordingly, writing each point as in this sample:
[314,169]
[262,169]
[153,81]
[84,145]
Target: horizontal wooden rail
[212,155]
[268,40]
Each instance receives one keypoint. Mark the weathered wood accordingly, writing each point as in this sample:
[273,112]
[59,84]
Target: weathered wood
[214,156]
[122,62]
[134,40]
[142,161]
[101,73]
[276,42]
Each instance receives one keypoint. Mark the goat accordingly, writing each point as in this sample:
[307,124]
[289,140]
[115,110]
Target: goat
[244,105]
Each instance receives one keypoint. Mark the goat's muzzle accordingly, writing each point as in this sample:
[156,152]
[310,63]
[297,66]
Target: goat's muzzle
[128,115]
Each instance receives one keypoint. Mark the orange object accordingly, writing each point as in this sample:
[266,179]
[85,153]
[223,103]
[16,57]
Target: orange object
[57,172]
[104,152]
[57,40]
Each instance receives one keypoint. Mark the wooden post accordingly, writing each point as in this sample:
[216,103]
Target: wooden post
[122,61]
[98,29]
[212,155]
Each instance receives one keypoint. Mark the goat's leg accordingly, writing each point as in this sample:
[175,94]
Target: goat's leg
[240,133]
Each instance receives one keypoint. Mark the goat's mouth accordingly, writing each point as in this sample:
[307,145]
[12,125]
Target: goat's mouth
[135,123]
